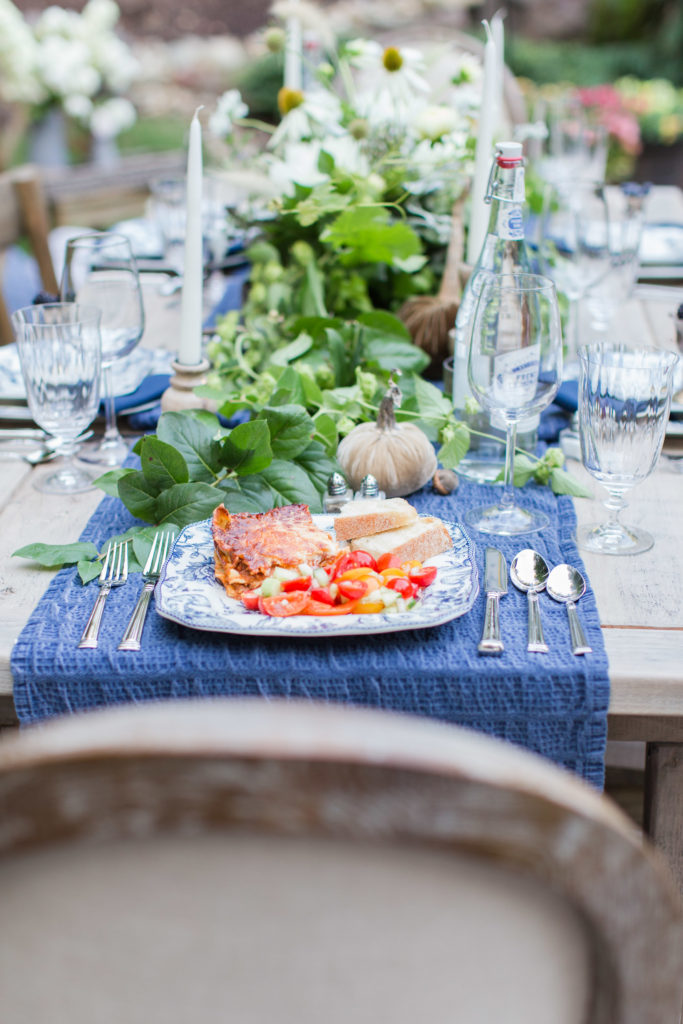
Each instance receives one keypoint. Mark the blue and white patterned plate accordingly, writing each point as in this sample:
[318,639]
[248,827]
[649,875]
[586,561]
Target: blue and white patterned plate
[188,593]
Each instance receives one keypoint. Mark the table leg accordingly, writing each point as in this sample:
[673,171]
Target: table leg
[663,818]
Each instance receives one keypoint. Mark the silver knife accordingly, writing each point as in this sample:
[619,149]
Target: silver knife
[495,584]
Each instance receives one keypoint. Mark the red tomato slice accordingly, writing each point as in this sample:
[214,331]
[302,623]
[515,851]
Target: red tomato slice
[354,560]
[320,608]
[250,600]
[321,595]
[388,561]
[423,575]
[402,586]
[353,590]
[284,604]
[301,583]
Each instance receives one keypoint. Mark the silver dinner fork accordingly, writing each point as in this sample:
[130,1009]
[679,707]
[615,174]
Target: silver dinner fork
[160,550]
[114,574]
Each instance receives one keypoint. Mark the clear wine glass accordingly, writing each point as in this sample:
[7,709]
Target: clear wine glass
[514,370]
[60,352]
[100,270]
[614,288]
[624,401]
[574,247]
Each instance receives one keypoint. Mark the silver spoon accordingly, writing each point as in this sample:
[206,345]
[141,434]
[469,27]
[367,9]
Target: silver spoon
[529,572]
[566,585]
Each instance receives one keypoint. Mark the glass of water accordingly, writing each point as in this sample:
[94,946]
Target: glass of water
[60,351]
[624,401]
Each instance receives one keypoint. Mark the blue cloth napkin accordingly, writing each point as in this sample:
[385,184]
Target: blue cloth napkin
[150,388]
[554,704]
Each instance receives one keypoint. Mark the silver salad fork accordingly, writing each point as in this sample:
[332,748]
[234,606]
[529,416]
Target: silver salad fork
[159,552]
[114,574]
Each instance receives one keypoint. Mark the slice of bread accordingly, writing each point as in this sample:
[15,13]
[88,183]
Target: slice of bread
[367,516]
[422,539]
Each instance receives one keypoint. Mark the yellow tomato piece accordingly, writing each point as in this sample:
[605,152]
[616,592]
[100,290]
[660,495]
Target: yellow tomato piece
[368,607]
[388,573]
[363,572]
[412,564]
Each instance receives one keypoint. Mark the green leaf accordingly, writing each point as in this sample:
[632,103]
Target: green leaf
[563,482]
[288,353]
[183,504]
[248,494]
[55,555]
[291,484]
[161,464]
[247,448]
[289,390]
[392,354]
[194,434]
[326,431]
[364,235]
[318,465]
[88,570]
[457,445]
[524,469]
[109,482]
[291,429]
[139,496]
[385,323]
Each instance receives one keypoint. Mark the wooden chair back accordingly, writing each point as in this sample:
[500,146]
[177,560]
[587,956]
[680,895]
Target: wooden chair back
[262,861]
[24,217]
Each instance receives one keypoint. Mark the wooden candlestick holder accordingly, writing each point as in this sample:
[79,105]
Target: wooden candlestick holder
[179,394]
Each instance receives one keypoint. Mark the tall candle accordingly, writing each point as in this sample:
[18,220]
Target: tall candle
[498,33]
[479,211]
[293,52]
[190,347]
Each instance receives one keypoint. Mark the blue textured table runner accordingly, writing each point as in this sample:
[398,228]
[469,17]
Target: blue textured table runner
[554,704]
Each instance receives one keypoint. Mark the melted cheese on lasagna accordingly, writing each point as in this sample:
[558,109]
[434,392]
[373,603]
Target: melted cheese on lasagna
[249,545]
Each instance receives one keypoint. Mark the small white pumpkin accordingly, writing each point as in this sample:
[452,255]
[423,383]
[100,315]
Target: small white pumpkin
[399,455]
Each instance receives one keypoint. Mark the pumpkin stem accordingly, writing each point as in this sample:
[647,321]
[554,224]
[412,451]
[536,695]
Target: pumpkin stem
[386,419]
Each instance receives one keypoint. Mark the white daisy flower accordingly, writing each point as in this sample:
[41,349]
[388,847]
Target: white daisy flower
[229,109]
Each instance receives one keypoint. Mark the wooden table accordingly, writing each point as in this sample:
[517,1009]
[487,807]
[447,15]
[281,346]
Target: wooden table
[639,598]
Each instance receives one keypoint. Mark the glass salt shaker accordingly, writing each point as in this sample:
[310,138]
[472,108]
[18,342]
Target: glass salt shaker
[338,493]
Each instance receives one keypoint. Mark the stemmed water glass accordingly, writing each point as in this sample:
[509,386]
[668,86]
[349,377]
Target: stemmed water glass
[624,401]
[574,247]
[514,370]
[100,269]
[60,352]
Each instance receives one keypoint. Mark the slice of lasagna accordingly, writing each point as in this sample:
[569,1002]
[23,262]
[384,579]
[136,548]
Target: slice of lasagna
[249,545]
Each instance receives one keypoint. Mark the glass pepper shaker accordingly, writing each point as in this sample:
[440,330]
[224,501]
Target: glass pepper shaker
[338,493]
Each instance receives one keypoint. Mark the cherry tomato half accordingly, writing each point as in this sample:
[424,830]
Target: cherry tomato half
[320,608]
[284,604]
[353,590]
[423,575]
[321,595]
[354,560]
[388,561]
[300,583]
[402,586]
[250,600]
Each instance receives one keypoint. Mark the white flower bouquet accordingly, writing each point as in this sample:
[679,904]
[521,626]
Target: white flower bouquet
[373,147]
[71,60]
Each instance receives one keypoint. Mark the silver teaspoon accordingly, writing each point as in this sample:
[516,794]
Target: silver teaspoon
[566,585]
[529,572]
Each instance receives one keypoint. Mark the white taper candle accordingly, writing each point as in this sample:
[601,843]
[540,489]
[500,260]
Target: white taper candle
[479,211]
[190,347]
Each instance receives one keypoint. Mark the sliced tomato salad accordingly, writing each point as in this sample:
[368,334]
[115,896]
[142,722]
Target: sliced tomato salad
[355,584]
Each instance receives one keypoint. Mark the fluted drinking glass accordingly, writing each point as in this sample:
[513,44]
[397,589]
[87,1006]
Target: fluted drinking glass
[624,401]
[60,352]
